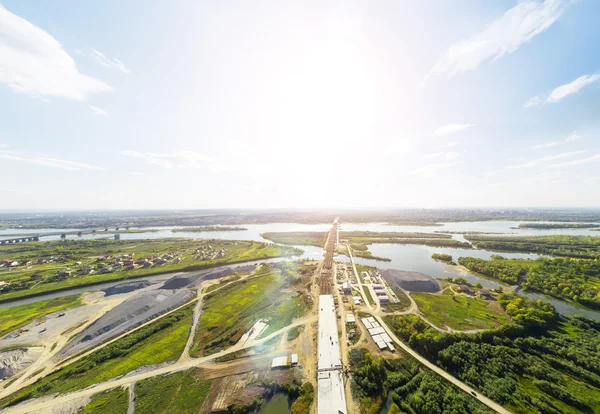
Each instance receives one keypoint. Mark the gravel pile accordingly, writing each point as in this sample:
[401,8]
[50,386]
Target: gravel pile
[411,281]
[133,312]
[126,287]
[194,279]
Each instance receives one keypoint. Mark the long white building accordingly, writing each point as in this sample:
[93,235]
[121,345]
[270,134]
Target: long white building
[331,398]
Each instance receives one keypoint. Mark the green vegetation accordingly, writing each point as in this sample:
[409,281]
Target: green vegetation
[207,228]
[562,278]
[368,295]
[115,401]
[182,392]
[414,389]
[498,269]
[558,226]
[411,328]
[305,399]
[276,294]
[460,312]
[156,343]
[404,302]
[587,247]
[304,238]
[514,364]
[442,256]
[78,255]
[19,316]
[293,333]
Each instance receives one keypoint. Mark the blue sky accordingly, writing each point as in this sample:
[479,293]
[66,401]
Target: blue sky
[144,104]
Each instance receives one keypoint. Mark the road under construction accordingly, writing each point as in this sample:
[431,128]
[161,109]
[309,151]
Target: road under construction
[331,397]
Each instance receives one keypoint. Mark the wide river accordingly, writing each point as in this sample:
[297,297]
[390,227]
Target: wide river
[405,257]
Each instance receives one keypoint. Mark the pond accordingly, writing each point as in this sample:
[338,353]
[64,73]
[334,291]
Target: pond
[279,403]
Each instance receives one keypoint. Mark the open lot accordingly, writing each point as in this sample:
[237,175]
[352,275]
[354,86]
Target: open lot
[460,312]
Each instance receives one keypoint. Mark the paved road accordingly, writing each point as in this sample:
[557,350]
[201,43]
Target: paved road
[484,400]
[45,403]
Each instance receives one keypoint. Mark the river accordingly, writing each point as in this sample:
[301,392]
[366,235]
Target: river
[404,257]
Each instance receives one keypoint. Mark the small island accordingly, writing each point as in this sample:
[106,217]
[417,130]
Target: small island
[443,258]
[207,228]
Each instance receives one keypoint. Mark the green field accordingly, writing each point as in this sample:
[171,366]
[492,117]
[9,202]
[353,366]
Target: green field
[158,342]
[459,312]
[183,392]
[70,252]
[272,295]
[18,316]
[368,295]
[115,401]
[305,238]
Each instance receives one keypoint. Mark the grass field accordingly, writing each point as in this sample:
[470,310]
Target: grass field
[183,392]
[305,238]
[18,316]
[234,309]
[115,401]
[158,342]
[86,252]
[368,295]
[459,312]
[404,302]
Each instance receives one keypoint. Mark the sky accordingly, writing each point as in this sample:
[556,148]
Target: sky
[276,104]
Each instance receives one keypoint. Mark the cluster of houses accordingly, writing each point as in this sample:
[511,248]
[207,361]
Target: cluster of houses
[15,263]
[109,264]
[207,252]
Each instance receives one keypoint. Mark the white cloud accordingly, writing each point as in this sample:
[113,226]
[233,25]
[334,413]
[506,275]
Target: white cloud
[46,161]
[136,173]
[573,136]
[98,111]
[452,155]
[106,62]
[401,146]
[180,159]
[593,158]
[547,158]
[430,170]
[432,155]
[532,102]
[452,128]
[35,63]
[571,88]
[503,36]
[450,145]
[546,145]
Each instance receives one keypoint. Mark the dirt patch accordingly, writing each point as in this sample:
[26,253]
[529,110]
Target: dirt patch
[225,392]
[16,360]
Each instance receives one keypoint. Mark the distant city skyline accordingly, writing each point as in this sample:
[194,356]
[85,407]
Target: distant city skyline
[197,105]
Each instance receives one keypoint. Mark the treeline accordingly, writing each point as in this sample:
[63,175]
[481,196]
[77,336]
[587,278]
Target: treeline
[537,366]
[558,226]
[562,278]
[587,247]
[569,279]
[414,389]
[499,269]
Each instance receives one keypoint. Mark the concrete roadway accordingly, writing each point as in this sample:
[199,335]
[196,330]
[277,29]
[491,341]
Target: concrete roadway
[483,399]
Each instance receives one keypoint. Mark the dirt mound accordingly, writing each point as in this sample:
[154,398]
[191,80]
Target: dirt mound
[194,279]
[411,281]
[16,360]
[133,312]
[126,287]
